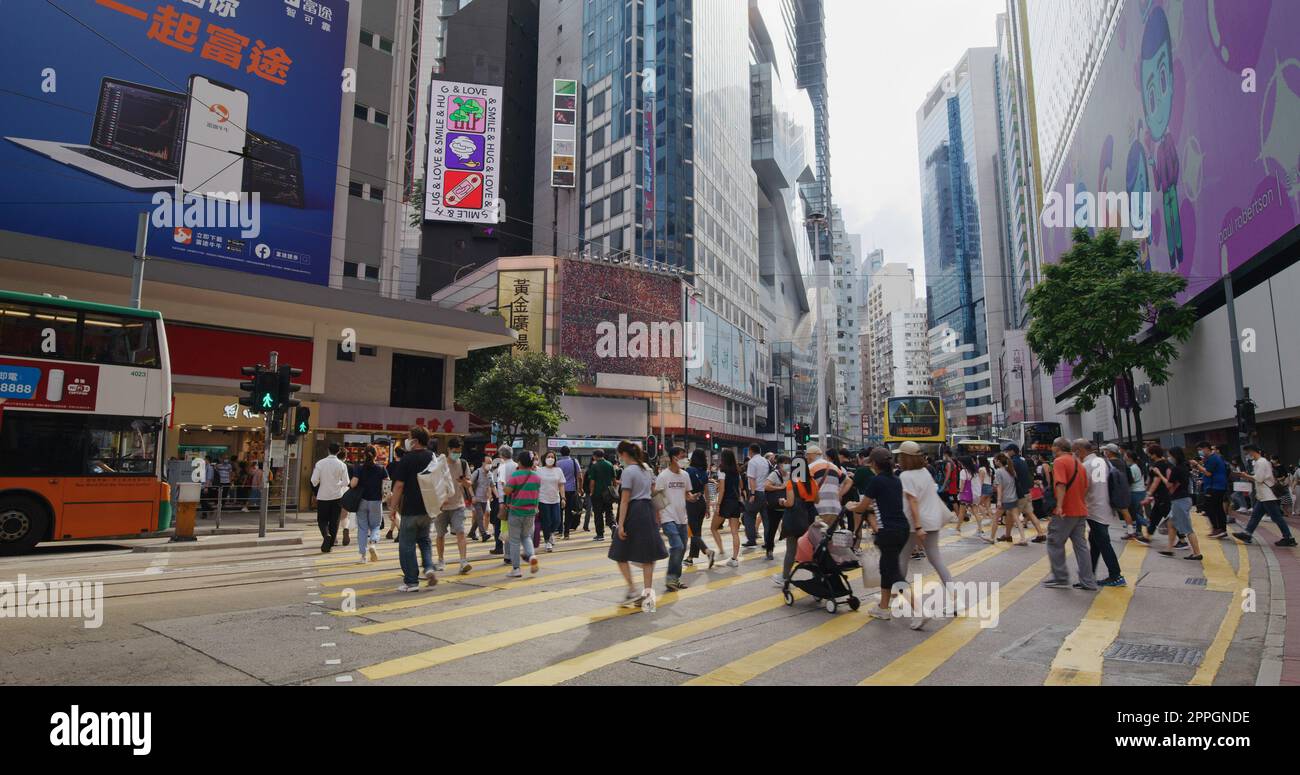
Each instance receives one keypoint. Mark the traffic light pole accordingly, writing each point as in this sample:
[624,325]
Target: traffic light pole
[266,457]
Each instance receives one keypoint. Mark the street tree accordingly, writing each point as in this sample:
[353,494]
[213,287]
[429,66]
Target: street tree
[1100,312]
[521,393]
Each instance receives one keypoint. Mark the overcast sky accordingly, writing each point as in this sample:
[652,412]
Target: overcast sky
[883,58]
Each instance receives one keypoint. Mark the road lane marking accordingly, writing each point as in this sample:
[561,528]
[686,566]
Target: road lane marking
[752,665]
[1079,660]
[1218,650]
[427,600]
[495,641]
[914,665]
[450,576]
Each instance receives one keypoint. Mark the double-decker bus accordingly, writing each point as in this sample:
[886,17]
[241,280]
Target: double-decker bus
[915,418]
[85,390]
[1033,436]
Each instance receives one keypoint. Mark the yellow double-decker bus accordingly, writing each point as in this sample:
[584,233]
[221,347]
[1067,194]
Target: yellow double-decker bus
[915,418]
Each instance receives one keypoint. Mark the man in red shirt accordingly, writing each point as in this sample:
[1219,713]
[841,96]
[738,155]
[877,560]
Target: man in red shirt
[1069,519]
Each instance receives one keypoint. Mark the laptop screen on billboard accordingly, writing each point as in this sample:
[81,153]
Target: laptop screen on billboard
[140,123]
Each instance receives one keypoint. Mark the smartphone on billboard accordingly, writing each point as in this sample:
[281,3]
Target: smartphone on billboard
[215,134]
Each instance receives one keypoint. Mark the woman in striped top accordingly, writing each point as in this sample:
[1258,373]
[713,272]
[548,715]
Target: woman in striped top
[522,491]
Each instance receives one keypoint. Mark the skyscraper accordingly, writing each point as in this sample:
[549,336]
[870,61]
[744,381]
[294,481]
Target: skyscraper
[958,144]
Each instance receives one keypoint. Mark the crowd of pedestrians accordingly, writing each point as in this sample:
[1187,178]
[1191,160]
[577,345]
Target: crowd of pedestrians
[685,507]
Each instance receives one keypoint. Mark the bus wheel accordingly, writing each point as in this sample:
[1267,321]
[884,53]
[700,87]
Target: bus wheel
[22,524]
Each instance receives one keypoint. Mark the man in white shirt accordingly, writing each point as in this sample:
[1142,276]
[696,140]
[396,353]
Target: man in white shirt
[330,477]
[504,470]
[1100,514]
[675,483]
[756,471]
[1266,502]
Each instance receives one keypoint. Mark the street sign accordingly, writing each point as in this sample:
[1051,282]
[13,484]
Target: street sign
[490,450]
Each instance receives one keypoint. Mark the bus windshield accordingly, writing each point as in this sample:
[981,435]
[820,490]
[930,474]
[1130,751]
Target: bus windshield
[918,418]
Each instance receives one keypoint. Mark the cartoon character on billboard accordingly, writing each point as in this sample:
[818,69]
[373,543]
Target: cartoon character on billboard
[1137,181]
[1158,100]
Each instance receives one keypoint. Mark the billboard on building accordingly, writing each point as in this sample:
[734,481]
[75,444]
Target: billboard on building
[221,122]
[521,299]
[564,134]
[728,356]
[1197,104]
[463,170]
[620,321]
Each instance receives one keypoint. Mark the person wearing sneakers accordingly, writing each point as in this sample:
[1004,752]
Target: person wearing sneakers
[675,484]
[1024,491]
[1101,513]
[698,508]
[924,509]
[1069,519]
[882,502]
[407,498]
[729,506]
[1266,499]
[369,477]
[1179,484]
[520,497]
[636,538]
[505,468]
[452,518]
[551,503]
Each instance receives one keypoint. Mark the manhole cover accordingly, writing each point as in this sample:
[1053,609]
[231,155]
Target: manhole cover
[1197,581]
[1154,653]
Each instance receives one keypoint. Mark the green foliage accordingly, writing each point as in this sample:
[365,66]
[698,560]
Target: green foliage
[1092,309]
[416,216]
[521,392]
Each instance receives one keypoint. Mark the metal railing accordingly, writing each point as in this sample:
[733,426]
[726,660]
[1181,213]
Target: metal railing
[218,500]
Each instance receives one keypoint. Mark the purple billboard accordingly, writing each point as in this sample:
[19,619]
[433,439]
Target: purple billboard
[1198,104]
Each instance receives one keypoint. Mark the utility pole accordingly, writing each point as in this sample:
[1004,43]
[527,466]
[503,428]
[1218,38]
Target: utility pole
[266,455]
[141,255]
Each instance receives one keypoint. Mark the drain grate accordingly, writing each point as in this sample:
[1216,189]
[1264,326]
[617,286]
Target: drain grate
[1127,651]
[1197,581]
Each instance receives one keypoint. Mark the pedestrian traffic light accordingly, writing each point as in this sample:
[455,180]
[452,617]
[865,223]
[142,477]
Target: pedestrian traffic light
[802,433]
[1246,416]
[261,389]
[301,421]
[286,387]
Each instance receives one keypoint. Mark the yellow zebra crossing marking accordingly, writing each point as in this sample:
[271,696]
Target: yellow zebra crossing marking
[485,643]
[753,665]
[1214,655]
[919,662]
[1079,660]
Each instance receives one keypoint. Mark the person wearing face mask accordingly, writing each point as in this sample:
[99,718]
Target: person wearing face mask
[698,508]
[636,539]
[1266,498]
[552,498]
[1214,484]
[774,492]
[453,518]
[675,484]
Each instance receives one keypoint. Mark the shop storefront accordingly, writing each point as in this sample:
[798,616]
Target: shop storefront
[355,426]
[216,426]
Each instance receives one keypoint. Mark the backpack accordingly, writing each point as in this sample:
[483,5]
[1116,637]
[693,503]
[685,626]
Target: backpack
[437,487]
[1117,487]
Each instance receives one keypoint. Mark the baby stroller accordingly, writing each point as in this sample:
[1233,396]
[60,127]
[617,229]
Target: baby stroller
[825,555]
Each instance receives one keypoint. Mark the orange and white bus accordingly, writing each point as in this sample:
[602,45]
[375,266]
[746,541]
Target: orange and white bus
[85,390]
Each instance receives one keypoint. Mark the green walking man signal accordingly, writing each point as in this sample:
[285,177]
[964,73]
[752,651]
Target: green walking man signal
[269,391]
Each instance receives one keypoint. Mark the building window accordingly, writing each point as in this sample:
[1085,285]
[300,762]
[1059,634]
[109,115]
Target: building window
[598,175]
[356,189]
[377,193]
[361,111]
[381,118]
[616,166]
[598,211]
[416,382]
[349,269]
[372,272]
[343,355]
[616,204]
